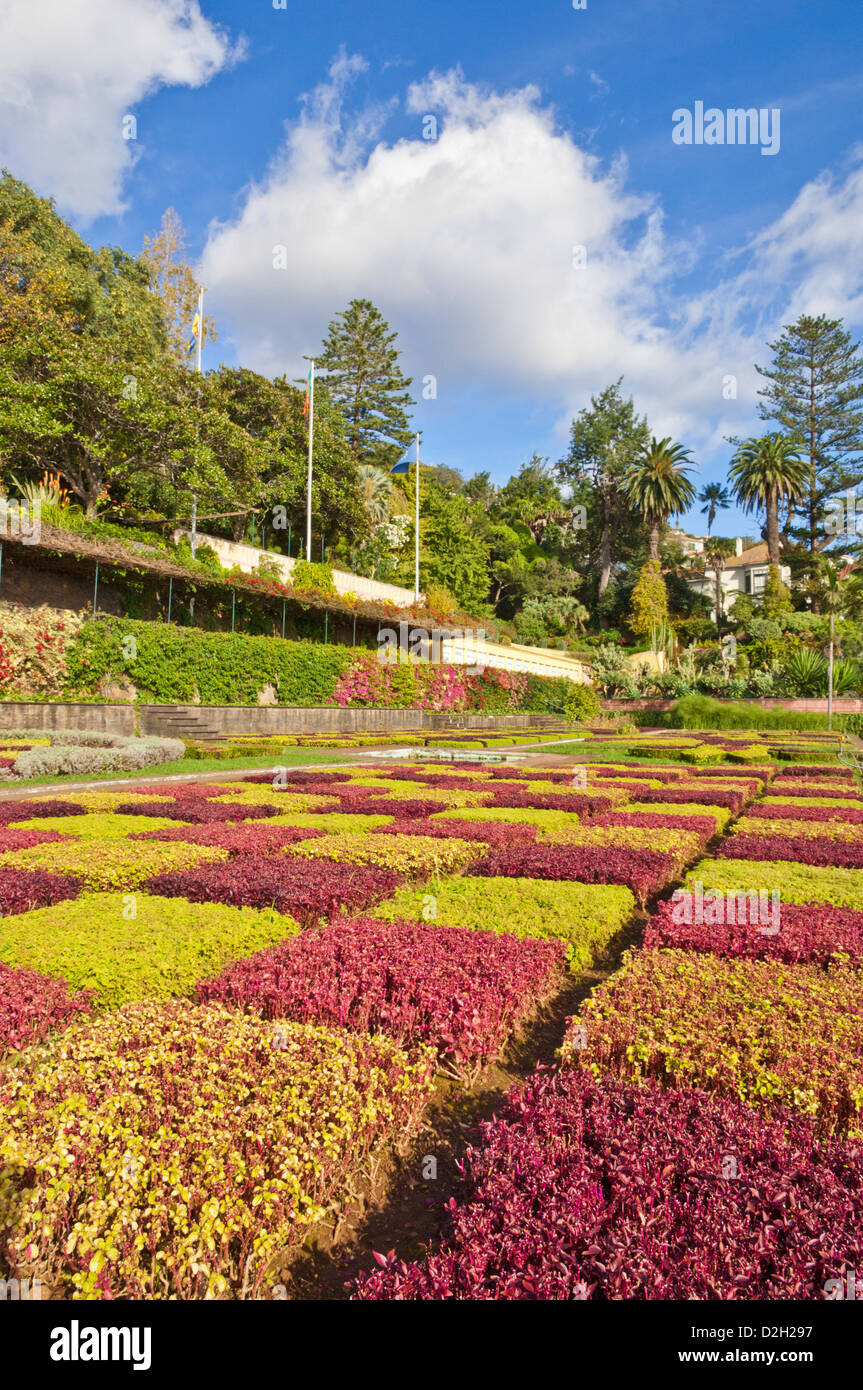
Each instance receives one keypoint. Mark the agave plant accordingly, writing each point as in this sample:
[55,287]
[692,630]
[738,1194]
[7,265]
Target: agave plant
[846,676]
[806,672]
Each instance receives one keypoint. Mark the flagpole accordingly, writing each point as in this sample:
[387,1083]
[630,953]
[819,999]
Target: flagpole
[200,346]
[309,480]
[417,531]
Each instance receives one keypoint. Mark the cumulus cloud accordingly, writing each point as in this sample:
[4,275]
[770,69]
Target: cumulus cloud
[69,73]
[508,257]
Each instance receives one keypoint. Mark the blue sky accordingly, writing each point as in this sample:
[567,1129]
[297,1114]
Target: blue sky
[303,127]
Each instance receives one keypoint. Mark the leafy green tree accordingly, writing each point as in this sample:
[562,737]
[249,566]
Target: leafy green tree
[453,556]
[763,472]
[360,369]
[658,486]
[606,438]
[268,475]
[814,393]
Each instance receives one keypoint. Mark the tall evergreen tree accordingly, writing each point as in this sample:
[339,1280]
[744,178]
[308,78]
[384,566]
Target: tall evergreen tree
[359,364]
[814,392]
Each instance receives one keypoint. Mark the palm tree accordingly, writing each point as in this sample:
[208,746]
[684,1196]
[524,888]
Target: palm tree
[763,472]
[657,484]
[716,499]
[375,489]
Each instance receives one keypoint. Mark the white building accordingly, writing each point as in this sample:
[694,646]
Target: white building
[690,545]
[744,573]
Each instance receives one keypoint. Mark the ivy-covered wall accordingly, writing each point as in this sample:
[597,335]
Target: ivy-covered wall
[118,659]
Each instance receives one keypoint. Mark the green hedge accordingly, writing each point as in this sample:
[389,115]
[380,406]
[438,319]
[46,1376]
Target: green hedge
[174,665]
[183,665]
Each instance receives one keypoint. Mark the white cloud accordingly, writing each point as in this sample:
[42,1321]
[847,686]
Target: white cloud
[70,72]
[466,244]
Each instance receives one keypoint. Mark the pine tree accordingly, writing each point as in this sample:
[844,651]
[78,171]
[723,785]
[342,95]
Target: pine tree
[359,364]
[814,392]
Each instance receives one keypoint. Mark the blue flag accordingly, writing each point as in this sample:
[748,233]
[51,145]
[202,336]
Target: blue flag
[403,467]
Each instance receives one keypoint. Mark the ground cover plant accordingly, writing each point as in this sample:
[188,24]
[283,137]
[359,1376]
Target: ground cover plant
[761,1030]
[643,871]
[407,905]
[808,932]
[125,948]
[33,1005]
[105,864]
[259,1139]
[795,883]
[585,917]
[22,889]
[417,982]
[586,1188]
[305,891]
[410,855]
[801,849]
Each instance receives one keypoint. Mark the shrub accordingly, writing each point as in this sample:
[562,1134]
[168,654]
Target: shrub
[159,952]
[198,811]
[796,883]
[24,838]
[103,865]
[826,831]
[132,755]
[93,825]
[803,810]
[489,832]
[581,703]
[704,827]
[701,712]
[643,871]
[584,918]
[412,855]
[176,665]
[832,788]
[11,812]
[307,892]
[809,932]
[309,576]
[239,839]
[33,648]
[760,1030]
[636,1202]
[681,845]
[22,889]
[503,815]
[581,803]
[407,809]
[720,814]
[733,801]
[260,1140]
[32,1005]
[800,849]
[350,822]
[416,982]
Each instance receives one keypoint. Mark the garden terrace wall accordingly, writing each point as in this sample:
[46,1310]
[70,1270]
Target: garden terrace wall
[841,705]
[226,720]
